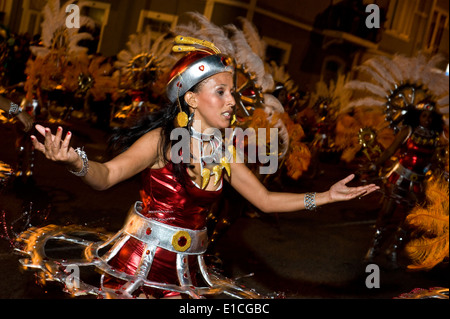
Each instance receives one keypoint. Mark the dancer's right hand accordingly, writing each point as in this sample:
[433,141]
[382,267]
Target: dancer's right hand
[57,149]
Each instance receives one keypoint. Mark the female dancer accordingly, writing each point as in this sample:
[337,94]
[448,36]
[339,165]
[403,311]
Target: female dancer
[164,237]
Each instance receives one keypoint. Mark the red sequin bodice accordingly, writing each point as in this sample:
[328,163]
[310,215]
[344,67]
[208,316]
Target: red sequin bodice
[169,202]
[416,155]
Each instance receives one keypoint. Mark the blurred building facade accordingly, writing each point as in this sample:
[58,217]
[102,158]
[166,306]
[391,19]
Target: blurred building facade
[315,39]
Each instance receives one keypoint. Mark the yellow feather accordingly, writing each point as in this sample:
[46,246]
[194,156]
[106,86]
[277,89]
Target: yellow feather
[224,162]
[206,173]
[430,223]
[217,170]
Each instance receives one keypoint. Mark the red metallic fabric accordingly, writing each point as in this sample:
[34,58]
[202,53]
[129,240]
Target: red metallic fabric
[165,200]
[416,157]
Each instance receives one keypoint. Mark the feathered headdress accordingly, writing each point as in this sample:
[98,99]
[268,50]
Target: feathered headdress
[89,75]
[402,83]
[230,41]
[201,28]
[246,48]
[335,94]
[144,58]
[251,52]
[59,45]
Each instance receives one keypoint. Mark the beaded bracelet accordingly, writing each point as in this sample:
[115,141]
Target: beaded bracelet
[14,109]
[310,201]
[84,158]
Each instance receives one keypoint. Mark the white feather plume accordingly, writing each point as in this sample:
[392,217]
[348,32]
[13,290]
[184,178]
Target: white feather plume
[137,44]
[251,34]
[245,56]
[55,33]
[366,86]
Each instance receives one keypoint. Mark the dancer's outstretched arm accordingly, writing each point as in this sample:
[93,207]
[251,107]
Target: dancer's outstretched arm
[142,154]
[245,182]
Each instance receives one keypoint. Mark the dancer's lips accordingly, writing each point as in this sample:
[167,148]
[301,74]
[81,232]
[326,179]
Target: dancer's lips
[227,114]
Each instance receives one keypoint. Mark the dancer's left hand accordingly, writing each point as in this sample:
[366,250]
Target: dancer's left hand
[341,192]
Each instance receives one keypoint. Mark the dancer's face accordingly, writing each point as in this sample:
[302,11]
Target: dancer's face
[214,101]
[426,119]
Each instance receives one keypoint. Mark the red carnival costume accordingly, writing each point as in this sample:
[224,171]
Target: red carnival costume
[166,201]
[405,179]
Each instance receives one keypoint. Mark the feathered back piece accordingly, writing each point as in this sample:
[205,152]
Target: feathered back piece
[56,35]
[336,94]
[250,60]
[251,34]
[144,60]
[258,48]
[140,45]
[400,83]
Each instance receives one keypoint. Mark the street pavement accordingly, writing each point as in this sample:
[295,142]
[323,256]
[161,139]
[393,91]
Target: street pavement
[299,255]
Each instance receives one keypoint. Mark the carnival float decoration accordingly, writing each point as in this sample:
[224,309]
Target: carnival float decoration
[58,44]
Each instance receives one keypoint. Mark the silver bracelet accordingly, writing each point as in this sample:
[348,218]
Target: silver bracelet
[84,158]
[14,109]
[310,201]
